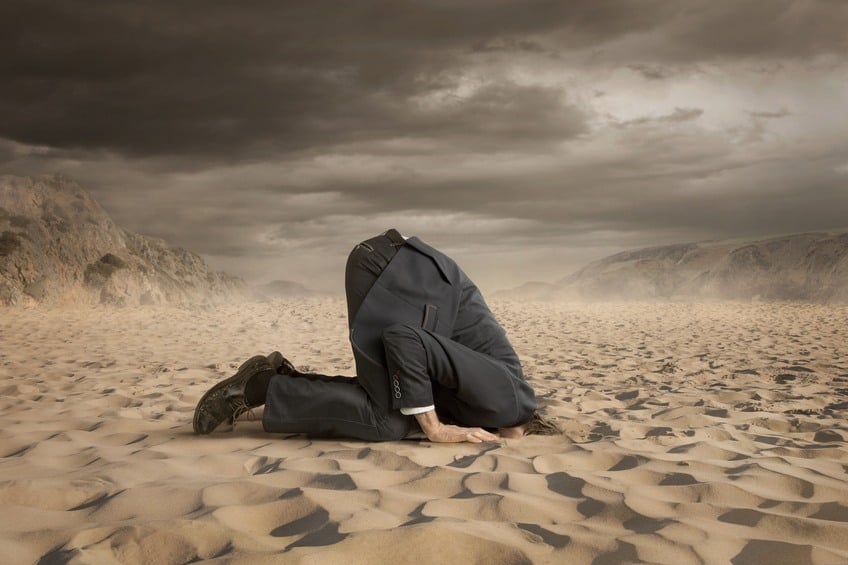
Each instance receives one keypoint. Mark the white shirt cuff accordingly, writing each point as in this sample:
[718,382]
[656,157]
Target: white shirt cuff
[416,410]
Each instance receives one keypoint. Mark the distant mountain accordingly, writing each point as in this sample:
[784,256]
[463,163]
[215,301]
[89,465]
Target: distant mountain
[57,245]
[806,267]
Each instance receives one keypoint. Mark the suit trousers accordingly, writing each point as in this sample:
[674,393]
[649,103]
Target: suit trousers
[466,386]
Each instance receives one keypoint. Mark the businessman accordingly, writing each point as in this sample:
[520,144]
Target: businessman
[427,350]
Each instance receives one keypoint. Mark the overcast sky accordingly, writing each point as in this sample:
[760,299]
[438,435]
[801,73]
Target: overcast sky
[524,138]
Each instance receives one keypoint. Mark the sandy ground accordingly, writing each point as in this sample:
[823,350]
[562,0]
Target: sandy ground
[695,433]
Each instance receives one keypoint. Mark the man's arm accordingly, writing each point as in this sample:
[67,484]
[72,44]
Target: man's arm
[436,431]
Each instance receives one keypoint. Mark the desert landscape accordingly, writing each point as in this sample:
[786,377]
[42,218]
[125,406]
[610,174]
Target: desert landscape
[651,196]
[695,432]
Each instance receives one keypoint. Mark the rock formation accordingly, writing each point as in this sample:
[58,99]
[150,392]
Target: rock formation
[57,246]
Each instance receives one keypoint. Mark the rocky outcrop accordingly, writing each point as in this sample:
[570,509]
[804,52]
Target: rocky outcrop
[57,245]
[805,267]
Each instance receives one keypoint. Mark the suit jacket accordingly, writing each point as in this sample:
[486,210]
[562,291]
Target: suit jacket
[424,288]
[419,287]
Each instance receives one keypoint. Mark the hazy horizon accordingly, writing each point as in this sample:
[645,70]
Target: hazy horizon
[525,139]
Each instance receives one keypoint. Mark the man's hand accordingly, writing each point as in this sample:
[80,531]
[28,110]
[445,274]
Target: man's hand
[446,433]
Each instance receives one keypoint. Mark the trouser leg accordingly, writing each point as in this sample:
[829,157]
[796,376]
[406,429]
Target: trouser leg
[469,387]
[329,408]
[326,406]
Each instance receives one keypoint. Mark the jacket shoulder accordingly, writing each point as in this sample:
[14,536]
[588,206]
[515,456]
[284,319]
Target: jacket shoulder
[447,267]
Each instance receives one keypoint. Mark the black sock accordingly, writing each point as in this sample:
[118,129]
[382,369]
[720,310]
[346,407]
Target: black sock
[256,388]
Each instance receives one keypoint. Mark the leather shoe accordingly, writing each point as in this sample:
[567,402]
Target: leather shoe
[280,364]
[225,401]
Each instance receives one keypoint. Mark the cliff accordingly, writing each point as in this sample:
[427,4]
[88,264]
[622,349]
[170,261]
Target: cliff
[58,246]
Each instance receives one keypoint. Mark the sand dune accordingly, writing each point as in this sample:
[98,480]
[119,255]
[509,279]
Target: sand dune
[694,433]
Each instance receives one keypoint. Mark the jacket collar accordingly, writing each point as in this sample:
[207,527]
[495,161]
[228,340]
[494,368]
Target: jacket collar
[445,265]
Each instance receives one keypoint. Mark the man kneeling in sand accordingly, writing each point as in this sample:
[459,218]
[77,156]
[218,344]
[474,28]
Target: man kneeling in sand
[427,350]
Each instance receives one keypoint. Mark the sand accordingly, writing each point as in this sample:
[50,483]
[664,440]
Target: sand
[694,433]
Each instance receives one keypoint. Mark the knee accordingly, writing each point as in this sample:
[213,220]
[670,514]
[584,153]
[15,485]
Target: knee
[394,428]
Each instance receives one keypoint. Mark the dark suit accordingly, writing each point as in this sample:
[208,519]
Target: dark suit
[421,334]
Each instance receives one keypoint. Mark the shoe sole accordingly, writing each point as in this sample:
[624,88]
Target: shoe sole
[253,365]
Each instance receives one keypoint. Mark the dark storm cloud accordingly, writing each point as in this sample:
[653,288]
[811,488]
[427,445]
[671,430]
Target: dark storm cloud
[757,28]
[771,115]
[687,34]
[678,115]
[652,72]
[225,79]
[666,173]
[240,81]
[247,131]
